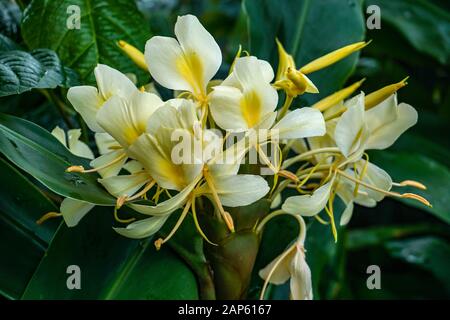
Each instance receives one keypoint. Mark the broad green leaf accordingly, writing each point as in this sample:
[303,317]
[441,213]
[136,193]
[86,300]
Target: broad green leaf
[21,71]
[22,204]
[424,25]
[412,166]
[308,29]
[429,253]
[21,253]
[36,151]
[112,266]
[102,24]
[363,238]
[6,44]
[9,18]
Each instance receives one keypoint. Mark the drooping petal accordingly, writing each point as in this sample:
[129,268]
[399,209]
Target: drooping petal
[143,228]
[301,123]
[282,273]
[74,210]
[86,101]
[125,185]
[301,284]
[309,205]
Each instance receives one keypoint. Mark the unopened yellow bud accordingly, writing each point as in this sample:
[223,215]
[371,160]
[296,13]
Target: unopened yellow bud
[134,54]
[374,98]
[285,61]
[337,97]
[332,57]
[301,82]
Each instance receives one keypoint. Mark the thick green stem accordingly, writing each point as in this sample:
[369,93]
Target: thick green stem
[233,259]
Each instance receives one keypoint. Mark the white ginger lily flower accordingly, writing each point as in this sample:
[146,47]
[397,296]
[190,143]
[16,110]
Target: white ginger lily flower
[358,130]
[292,265]
[157,151]
[245,99]
[88,100]
[186,63]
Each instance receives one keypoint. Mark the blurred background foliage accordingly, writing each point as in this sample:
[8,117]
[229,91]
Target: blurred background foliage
[409,243]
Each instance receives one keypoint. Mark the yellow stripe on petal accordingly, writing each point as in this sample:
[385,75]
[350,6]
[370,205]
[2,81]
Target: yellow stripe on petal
[250,106]
[332,57]
[190,67]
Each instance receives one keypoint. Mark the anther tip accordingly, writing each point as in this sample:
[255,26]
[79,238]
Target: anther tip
[75,169]
[158,243]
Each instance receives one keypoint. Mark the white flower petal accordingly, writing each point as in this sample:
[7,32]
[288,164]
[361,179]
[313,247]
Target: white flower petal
[77,147]
[350,126]
[107,158]
[162,55]
[282,273]
[301,123]
[345,192]
[142,228]
[59,134]
[260,97]
[225,108]
[133,166]
[86,101]
[301,284]
[239,190]
[198,44]
[126,120]
[74,210]
[377,177]
[112,82]
[309,205]
[105,143]
[385,135]
[159,162]
[168,206]
[125,185]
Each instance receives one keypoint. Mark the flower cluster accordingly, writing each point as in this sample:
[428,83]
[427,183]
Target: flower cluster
[158,156]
